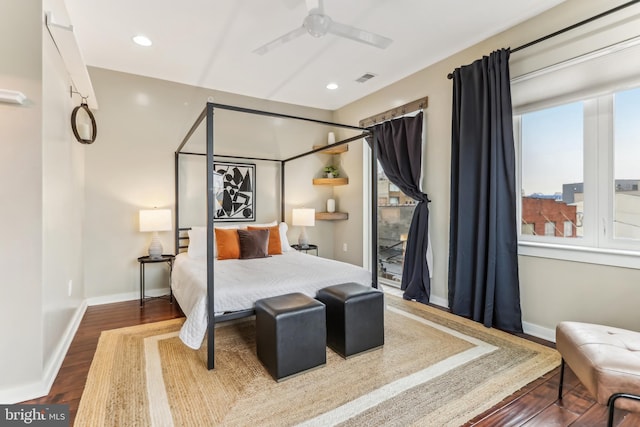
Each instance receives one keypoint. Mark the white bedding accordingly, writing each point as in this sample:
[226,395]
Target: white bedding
[240,283]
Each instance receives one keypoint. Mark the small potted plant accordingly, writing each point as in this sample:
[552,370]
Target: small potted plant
[331,171]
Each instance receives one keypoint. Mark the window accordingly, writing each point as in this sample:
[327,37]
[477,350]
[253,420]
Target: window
[579,173]
[626,165]
[552,167]
[394,218]
[568,229]
[549,229]
[528,228]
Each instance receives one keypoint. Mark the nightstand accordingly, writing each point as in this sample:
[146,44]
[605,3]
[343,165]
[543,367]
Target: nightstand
[306,249]
[144,260]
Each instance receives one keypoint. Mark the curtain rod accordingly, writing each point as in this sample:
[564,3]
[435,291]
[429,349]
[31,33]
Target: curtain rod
[569,28]
[418,104]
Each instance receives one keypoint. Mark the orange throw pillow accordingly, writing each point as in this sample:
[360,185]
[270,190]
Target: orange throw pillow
[275,247]
[228,243]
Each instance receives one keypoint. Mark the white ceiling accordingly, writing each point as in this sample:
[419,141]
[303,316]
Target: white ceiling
[209,43]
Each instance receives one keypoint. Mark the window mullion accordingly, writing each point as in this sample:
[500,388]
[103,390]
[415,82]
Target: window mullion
[591,221]
[517,140]
[605,171]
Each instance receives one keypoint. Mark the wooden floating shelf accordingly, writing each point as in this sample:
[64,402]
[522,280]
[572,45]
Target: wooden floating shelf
[333,150]
[331,216]
[330,181]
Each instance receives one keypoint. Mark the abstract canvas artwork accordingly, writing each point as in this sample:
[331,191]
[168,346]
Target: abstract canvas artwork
[238,195]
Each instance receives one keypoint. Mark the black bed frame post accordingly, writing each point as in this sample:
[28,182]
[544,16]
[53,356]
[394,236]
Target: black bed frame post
[282,191]
[374,210]
[177,210]
[210,224]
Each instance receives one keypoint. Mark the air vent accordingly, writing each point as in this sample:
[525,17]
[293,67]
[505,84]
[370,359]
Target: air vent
[363,78]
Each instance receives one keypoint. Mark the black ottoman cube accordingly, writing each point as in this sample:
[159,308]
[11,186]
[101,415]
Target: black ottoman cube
[355,317]
[291,334]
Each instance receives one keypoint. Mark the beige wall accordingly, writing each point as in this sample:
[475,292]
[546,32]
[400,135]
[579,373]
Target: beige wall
[552,290]
[141,122]
[63,203]
[42,189]
[21,259]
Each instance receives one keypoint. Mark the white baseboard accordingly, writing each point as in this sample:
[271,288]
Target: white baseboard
[539,331]
[17,394]
[55,362]
[528,328]
[41,388]
[128,296]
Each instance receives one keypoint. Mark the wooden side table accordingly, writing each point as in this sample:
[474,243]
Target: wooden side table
[144,260]
[306,249]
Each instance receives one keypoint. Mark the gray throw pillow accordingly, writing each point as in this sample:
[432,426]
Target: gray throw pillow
[254,243]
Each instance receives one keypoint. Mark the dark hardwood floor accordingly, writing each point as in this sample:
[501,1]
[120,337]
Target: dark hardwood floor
[68,385]
[534,405]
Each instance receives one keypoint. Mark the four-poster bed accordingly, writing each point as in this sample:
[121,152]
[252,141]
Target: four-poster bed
[344,272]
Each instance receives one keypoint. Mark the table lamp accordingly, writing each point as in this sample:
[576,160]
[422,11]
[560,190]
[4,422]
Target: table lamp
[155,220]
[304,218]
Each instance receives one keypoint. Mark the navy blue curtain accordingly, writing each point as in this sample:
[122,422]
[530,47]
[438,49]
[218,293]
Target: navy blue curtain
[483,243]
[399,144]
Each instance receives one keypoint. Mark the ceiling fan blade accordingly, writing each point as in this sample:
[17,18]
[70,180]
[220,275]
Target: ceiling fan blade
[291,4]
[280,41]
[359,35]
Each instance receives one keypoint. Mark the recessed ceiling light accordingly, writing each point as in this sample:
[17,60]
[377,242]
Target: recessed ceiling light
[332,86]
[142,40]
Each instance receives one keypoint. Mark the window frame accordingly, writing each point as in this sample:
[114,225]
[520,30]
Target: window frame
[598,245]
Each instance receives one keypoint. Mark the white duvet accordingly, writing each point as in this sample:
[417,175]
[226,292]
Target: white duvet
[240,283]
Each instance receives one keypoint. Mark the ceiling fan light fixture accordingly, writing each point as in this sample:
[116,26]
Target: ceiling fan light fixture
[316,24]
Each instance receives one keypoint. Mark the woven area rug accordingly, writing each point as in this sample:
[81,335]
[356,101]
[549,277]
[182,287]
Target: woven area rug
[435,369]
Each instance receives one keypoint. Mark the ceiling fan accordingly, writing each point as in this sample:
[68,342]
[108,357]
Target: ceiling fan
[318,25]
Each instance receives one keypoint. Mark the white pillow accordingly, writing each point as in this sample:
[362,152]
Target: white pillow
[284,242]
[270,224]
[197,242]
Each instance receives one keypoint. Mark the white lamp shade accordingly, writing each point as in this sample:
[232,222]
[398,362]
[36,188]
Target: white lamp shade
[155,219]
[304,217]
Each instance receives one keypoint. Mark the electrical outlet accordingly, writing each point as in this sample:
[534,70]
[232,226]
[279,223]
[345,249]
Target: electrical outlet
[344,247]
[70,287]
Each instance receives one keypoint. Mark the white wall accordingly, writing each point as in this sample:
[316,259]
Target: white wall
[41,171]
[63,203]
[141,122]
[349,199]
[552,290]
[21,192]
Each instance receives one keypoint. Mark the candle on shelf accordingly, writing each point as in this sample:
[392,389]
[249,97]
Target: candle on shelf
[331,139]
[331,205]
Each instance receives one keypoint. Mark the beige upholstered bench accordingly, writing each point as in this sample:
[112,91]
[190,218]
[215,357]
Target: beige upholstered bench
[605,359]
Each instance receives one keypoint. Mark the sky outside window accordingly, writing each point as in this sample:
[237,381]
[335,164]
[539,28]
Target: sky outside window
[552,149]
[627,134]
